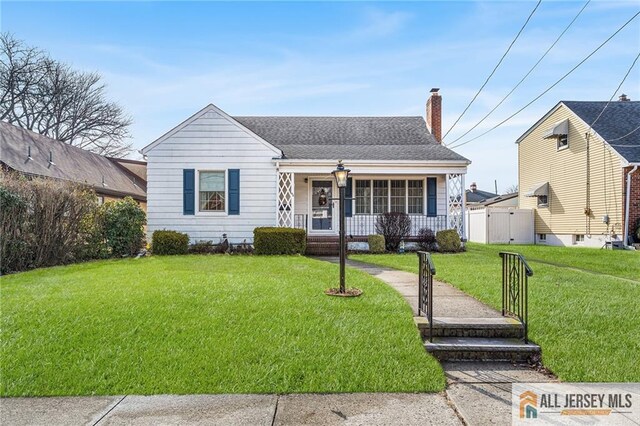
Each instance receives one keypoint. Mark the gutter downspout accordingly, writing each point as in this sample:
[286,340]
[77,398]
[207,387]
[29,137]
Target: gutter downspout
[627,205]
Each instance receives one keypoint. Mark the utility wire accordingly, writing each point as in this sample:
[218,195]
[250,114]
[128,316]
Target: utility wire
[552,86]
[494,69]
[525,76]
[613,95]
[622,137]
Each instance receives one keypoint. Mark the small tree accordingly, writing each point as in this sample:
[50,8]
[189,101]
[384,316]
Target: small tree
[394,226]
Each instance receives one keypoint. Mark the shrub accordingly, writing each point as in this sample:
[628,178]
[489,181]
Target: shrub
[426,239]
[267,240]
[448,241]
[123,226]
[169,243]
[42,221]
[394,227]
[376,243]
[202,247]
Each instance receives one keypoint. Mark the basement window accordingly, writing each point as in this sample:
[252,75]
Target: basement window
[542,237]
[578,238]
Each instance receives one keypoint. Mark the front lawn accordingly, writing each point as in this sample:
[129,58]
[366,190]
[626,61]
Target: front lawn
[206,324]
[587,324]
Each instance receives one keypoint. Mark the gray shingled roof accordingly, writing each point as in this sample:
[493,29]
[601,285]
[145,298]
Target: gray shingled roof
[70,163]
[350,138]
[479,196]
[619,124]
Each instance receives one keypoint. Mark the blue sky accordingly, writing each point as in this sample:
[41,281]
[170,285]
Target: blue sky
[164,61]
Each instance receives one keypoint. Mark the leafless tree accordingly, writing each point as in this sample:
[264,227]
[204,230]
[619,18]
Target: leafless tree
[511,189]
[50,98]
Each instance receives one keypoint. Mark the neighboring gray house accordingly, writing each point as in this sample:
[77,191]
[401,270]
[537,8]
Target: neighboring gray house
[215,174]
[33,154]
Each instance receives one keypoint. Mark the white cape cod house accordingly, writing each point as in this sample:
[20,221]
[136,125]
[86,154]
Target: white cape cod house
[215,174]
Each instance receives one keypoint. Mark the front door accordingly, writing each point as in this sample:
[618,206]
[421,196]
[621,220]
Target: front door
[321,205]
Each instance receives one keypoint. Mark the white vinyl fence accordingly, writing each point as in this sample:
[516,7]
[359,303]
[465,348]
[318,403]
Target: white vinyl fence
[501,225]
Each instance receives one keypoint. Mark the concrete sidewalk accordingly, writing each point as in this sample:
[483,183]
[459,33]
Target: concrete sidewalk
[480,391]
[229,410]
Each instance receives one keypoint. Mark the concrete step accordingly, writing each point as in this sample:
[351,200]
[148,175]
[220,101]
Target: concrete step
[481,349]
[500,327]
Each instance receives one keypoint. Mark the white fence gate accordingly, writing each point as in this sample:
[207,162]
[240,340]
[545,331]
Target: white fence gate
[501,225]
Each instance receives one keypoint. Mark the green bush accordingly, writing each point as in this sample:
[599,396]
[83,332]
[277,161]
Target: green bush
[169,243]
[202,247]
[448,241]
[123,226]
[376,243]
[268,240]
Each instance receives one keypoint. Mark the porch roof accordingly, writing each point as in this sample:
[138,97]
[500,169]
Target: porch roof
[351,138]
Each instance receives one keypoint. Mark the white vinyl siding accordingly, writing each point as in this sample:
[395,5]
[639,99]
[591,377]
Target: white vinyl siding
[211,142]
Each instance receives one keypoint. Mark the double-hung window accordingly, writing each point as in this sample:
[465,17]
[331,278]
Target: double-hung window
[398,196]
[212,191]
[380,196]
[363,196]
[415,197]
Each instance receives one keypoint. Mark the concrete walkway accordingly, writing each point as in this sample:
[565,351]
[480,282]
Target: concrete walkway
[229,410]
[480,391]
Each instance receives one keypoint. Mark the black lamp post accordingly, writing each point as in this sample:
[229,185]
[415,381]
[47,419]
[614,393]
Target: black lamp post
[341,174]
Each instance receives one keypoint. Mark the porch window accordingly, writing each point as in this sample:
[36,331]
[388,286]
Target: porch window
[398,196]
[380,196]
[415,197]
[212,192]
[363,196]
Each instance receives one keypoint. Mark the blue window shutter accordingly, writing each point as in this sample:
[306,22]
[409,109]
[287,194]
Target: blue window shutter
[348,204]
[234,191]
[432,197]
[188,191]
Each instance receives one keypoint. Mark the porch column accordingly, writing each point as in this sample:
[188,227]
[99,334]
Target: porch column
[285,200]
[456,203]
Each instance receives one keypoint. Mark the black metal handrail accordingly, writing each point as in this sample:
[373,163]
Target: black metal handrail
[426,272]
[515,288]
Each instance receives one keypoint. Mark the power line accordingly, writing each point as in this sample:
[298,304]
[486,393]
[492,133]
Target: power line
[615,92]
[622,137]
[552,86]
[494,69]
[526,75]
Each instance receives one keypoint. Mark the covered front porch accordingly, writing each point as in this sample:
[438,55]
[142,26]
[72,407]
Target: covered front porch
[432,197]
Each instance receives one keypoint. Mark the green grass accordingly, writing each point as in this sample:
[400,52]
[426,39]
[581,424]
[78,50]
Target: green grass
[206,324]
[587,324]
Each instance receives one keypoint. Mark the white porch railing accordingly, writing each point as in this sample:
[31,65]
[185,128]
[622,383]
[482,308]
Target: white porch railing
[363,225]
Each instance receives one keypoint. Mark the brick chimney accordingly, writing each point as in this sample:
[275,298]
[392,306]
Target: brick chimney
[434,114]
[623,98]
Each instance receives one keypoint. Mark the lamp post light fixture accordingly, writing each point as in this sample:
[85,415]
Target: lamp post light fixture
[341,174]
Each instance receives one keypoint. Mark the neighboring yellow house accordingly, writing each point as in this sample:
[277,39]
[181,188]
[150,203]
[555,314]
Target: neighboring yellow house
[576,166]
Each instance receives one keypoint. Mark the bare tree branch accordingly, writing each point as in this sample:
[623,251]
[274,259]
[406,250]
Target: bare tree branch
[49,97]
